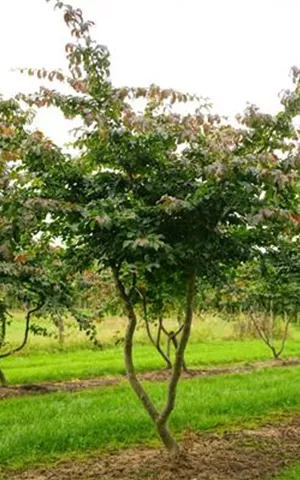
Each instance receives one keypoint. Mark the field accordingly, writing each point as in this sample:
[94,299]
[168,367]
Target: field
[91,432]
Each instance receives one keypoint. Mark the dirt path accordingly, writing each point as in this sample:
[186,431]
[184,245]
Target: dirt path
[245,455]
[156,376]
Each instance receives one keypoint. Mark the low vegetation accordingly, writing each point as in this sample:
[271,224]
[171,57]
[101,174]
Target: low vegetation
[35,429]
[291,473]
[214,342]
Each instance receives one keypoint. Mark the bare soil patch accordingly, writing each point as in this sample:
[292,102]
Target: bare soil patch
[245,455]
[51,387]
[156,376]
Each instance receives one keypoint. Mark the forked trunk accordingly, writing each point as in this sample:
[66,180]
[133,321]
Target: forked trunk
[167,439]
[160,419]
[128,347]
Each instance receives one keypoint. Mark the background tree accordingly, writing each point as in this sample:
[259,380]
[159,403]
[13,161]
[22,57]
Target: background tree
[39,279]
[269,292]
[31,270]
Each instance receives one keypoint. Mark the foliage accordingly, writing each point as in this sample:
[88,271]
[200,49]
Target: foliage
[30,268]
[95,291]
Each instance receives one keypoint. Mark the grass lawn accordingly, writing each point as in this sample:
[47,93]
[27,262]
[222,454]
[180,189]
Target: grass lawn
[40,428]
[291,473]
[39,366]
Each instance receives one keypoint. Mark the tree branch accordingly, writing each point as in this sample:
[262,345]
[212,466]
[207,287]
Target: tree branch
[155,343]
[165,356]
[26,332]
[263,336]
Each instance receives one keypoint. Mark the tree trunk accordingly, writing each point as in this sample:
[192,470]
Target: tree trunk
[3,381]
[159,419]
[128,347]
[269,341]
[3,331]
[163,418]
[287,320]
[172,339]
[167,439]
[175,343]
[61,330]
[162,430]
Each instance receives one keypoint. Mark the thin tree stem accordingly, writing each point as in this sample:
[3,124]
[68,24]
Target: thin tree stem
[285,334]
[179,356]
[155,343]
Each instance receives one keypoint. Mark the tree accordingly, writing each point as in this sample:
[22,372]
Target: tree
[39,278]
[12,132]
[274,292]
[156,196]
[265,290]
[30,268]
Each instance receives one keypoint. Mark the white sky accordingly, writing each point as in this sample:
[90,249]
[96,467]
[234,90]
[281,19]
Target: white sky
[232,51]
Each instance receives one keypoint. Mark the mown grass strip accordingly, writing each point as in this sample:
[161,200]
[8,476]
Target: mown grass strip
[88,363]
[43,428]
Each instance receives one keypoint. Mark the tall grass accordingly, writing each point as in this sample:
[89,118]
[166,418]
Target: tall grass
[208,327]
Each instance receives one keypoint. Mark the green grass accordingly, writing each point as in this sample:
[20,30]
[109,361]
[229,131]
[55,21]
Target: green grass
[212,343]
[291,473]
[42,428]
[40,366]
